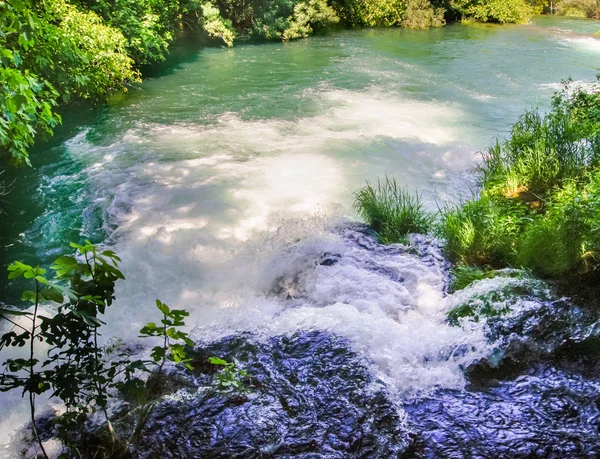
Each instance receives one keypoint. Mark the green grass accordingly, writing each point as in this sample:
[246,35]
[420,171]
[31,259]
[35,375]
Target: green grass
[482,232]
[539,206]
[541,154]
[391,211]
[463,276]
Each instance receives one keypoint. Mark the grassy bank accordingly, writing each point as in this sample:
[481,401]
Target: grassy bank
[539,204]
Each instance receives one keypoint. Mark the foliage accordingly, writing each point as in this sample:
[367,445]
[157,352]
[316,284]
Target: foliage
[581,8]
[540,204]
[391,211]
[215,25]
[502,11]
[370,13]
[26,104]
[147,25]
[421,14]
[76,369]
[308,16]
[172,318]
[51,52]
[230,376]
[463,276]
[482,231]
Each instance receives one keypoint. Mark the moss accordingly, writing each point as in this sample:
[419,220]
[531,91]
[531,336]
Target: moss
[497,302]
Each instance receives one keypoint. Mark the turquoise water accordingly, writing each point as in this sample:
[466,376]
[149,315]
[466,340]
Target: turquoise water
[415,104]
[200,174]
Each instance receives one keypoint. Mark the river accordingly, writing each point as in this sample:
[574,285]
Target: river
[223,179]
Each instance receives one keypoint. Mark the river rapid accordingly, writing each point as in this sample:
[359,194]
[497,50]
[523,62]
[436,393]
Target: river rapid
[225,183]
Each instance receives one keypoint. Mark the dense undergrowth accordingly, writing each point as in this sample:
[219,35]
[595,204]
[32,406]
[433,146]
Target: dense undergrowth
[539,204]
[57,52]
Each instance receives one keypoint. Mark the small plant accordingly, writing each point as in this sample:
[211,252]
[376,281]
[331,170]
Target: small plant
[230,377]
[167,330]
[77,370]
[20,372]
[392,212]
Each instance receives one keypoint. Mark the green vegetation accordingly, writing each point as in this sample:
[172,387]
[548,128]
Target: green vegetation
[57,52]
[539,206]
[502,11]
[392,212]
[76,370]
[540,199]
[579,8]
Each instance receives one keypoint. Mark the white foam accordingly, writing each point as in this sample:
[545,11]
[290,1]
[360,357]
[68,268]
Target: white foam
[209,218]
[587,43]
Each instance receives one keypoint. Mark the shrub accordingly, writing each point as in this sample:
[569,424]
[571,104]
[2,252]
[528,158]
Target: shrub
[580,8]
[309,16]
[370,13]
[392,212]
[421,14]
[502,11]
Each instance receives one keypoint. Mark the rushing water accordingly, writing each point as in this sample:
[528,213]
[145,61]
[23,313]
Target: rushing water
[221,182]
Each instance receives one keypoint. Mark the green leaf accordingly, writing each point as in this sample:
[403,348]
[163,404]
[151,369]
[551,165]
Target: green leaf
[52,294]
[217,361]
[28,295]
[162,307]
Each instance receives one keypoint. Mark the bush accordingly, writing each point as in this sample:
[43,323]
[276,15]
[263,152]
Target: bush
[502,11]
[370,13]
[421,14]
[309,16]
[579,8]
[51,52]
[392,212]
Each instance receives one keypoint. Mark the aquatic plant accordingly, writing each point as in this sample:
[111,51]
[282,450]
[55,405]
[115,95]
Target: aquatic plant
[391,211]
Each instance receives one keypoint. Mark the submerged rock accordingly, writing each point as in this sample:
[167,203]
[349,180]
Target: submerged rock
[308,396]
[547,413]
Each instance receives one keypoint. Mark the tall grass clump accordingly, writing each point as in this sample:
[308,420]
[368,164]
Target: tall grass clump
[541,154]
[392,211]
[481,232]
